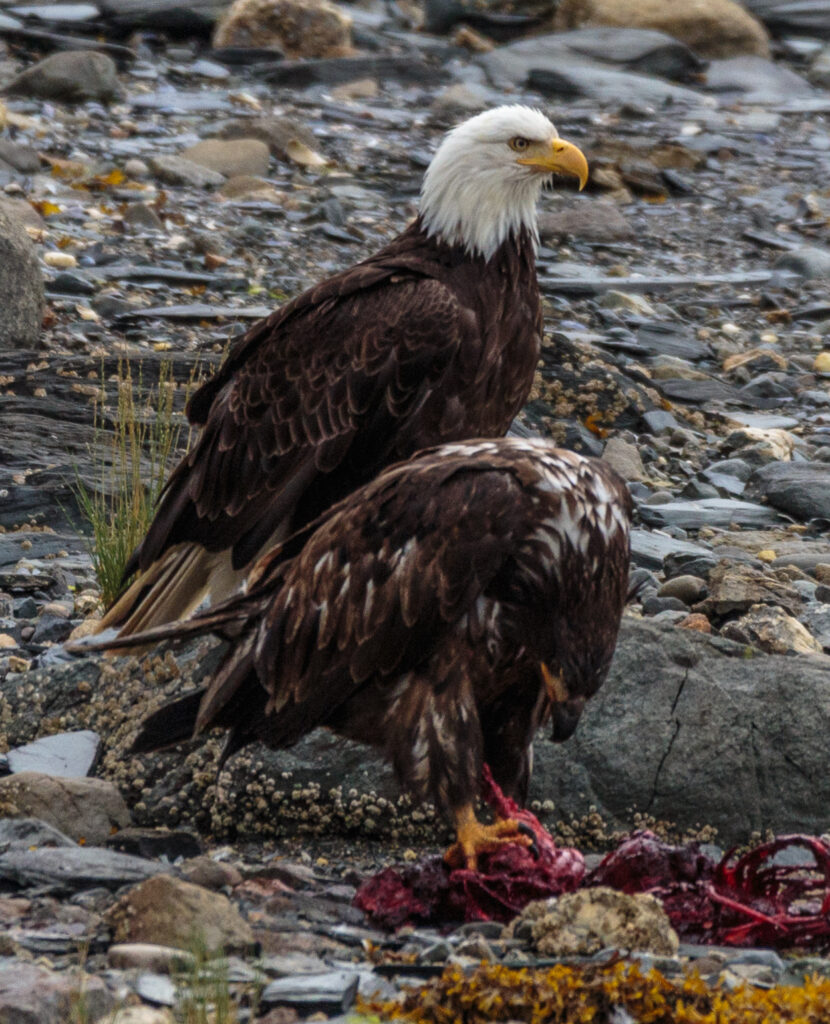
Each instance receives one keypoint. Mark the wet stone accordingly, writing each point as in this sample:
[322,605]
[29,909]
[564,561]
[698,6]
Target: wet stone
[333,992]
[67,754]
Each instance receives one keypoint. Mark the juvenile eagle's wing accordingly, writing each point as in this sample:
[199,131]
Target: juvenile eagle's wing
[378,588]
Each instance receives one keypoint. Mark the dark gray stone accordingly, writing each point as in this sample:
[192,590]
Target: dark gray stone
[333,992]
[632,49]
[29,832]
[178,170]
[21,285]
[21,158]
[607,86]
[797,17]
[807,262]
[719,512]
[649,548]
[801,489]
[756,80]
[75,868]
[694,729]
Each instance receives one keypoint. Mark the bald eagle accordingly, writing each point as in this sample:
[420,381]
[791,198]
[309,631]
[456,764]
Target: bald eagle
[440,614]
[435,338]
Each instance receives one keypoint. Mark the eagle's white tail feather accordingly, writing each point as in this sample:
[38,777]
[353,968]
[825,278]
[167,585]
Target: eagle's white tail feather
[173,588]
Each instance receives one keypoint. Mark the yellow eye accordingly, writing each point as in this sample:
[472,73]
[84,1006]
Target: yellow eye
[518,144]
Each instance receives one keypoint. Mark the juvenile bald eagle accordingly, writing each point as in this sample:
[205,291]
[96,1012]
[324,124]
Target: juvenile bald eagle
[433,339]
[440,614]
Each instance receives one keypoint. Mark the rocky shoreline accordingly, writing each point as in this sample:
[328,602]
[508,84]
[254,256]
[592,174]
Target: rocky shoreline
[158,193]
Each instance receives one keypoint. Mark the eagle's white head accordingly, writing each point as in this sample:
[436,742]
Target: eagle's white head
[484,181]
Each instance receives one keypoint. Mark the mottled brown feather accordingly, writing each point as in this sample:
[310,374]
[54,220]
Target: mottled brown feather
[414,615]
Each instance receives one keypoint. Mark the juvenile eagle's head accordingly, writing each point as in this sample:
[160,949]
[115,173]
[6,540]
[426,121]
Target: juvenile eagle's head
[484,181]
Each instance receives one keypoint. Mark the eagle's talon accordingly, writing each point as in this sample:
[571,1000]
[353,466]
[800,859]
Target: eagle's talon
[474,838]
[525,830]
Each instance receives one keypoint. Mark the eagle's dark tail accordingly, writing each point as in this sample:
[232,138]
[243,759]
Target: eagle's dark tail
[171,724]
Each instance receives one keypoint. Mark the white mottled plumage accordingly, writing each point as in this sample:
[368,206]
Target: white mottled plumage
[475,192]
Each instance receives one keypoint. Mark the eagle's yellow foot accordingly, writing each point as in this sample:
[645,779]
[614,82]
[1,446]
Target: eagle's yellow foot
[473,838]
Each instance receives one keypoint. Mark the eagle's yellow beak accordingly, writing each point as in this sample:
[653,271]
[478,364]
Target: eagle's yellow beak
[554,684]
[560,157]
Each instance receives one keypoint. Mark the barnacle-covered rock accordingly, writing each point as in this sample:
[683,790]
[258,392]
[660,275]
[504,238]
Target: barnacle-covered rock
[584,922]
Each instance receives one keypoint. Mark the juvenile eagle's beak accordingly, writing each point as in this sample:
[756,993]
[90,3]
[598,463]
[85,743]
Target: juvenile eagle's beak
[553,684]
[559,157]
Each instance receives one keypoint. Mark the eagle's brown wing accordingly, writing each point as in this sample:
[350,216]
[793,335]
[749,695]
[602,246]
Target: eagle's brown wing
[373,594]
[311,403]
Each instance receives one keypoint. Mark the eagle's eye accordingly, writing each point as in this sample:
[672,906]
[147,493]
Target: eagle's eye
[519,144]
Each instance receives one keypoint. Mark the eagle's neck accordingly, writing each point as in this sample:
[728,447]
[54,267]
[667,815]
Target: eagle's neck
[480,212]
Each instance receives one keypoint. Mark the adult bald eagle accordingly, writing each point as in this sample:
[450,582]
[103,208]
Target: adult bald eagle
[440,614]
[433,339]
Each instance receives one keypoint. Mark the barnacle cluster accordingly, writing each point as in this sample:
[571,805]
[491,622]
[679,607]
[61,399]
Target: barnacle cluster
[591,993]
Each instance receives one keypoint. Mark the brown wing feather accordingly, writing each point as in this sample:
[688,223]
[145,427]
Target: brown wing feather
[277,421]
[377,587]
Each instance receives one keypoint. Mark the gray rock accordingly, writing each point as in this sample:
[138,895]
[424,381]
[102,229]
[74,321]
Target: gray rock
[819,73]
[31,832]
[773,630]
[21,158]
[796,17]
[177,170]
[80,867]
[808,262]
[640,743]
[801,489]
[87,809]
[639,50]
[592,222]
[237,156]
[157,989]
[608,86]
[649,548]
[737,588]
[21,285]
[333,992]
[755,80]
[624,458]
[689,589]
[67,754]
[32,994]
[718,512]
[142,216]
[71,76]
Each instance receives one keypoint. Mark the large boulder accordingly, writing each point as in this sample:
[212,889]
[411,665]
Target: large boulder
[695,730]
[688,729]
[300,28]
[21,286]
[712,28]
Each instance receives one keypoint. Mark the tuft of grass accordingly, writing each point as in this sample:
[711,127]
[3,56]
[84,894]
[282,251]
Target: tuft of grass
[205,994]
[131,464]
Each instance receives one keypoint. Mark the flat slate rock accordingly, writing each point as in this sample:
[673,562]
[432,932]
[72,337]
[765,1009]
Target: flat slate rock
[76,868]
[332,992]
[649,548]
[632,49]
[69,755]
[30,832]
[801,489]
[717,512]
[196,311]
[797,17]
[607,86]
